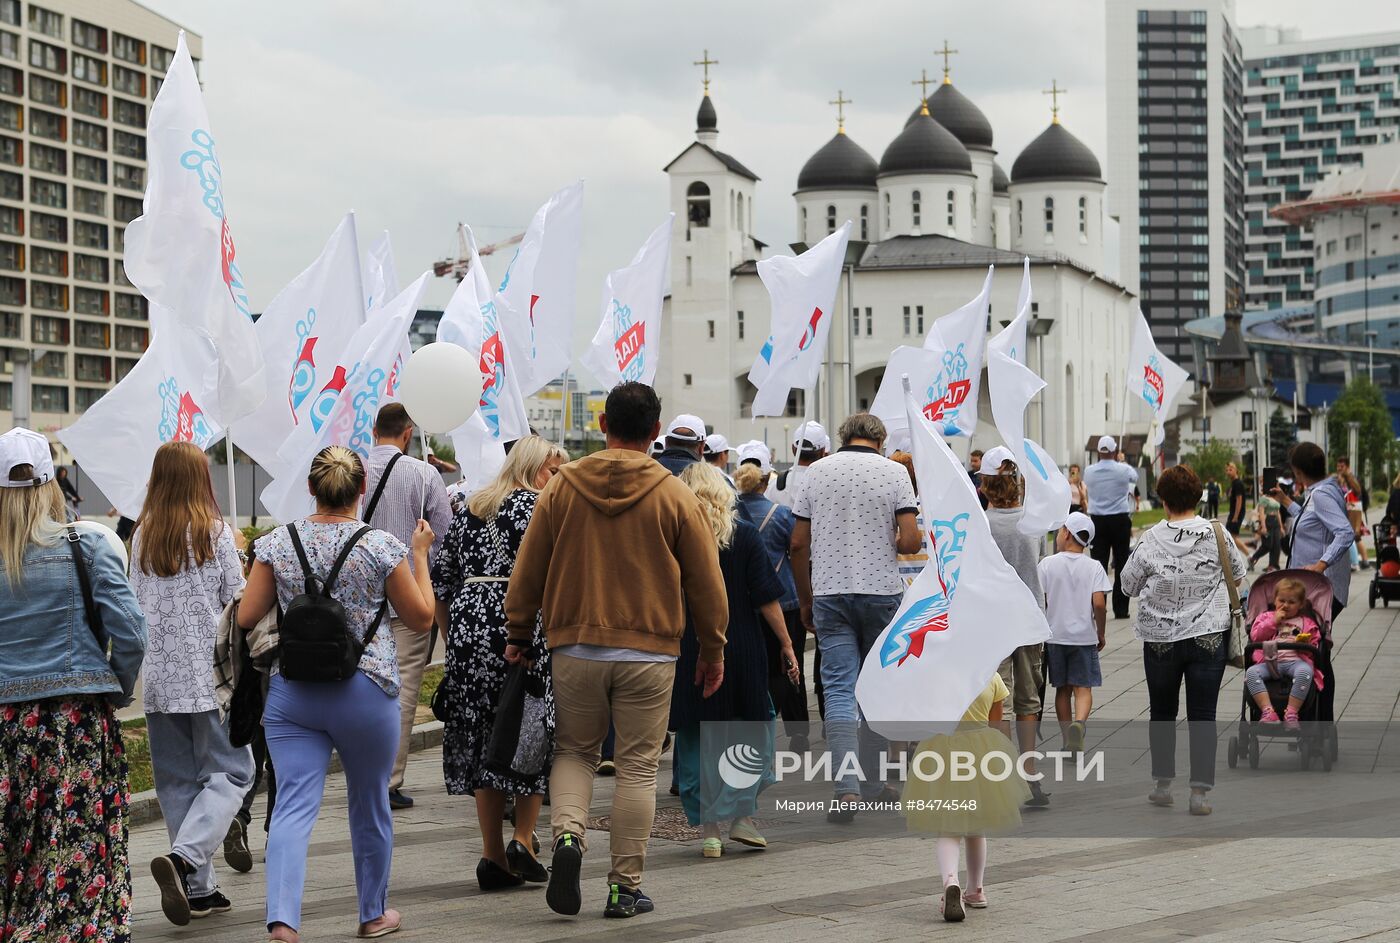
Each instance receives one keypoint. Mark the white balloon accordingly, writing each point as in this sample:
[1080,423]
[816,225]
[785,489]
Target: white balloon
[441,387]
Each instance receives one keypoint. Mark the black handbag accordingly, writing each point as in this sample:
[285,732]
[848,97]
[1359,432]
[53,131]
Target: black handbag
[520,739]
[245,707]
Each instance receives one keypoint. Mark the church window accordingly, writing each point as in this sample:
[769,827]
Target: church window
[712,330]
[855,322]
[830,218]
[1049,215]
[864,221]
[739,321]
[952,207]
[689,379]
[887,212]
[919,319]
[697,205]
[1020,216]
[804,224]
[869,323]
[907,323]
[689,272]
[914,206]
[1083,216]
[974,207]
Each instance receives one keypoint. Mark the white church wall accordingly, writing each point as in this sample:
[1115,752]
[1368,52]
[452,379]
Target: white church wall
[821,212]
[932,219]
[1076,229]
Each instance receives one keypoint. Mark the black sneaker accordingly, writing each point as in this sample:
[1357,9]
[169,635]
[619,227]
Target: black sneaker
[627,902]
[170,872]
[212,903]
[563,894]
[236,851]
[397,800]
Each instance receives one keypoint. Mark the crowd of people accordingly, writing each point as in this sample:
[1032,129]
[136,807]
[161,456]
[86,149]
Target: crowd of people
[662,591]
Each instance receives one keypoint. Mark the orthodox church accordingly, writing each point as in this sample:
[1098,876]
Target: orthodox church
[928,218]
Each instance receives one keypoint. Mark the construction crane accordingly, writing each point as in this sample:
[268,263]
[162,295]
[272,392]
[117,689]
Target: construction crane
[459,266]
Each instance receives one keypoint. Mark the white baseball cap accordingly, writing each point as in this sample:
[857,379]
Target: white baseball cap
[756,451]
[25,447]
[814,435]
[1081,527]
[1108,443]
[694,424]
[715,444]
[658,447]
[993,457]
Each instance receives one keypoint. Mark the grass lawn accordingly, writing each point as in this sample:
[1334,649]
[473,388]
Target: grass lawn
[1147,517]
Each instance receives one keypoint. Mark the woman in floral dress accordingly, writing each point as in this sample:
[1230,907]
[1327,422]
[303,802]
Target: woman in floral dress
[470,575]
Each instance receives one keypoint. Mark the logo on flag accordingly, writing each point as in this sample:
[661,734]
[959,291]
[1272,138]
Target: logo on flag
[949,390]
[1153,386]
[629,342]
[181,419]
[493,367]
[202,161]
[303,377]
[930,614]
[325,400]
[391,386]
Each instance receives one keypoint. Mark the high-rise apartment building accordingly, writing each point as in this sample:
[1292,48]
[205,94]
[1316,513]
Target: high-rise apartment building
[1176,159]
[1310,107]
[76,84]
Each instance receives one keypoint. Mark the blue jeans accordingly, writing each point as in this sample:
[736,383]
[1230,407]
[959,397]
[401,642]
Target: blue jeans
[847,626]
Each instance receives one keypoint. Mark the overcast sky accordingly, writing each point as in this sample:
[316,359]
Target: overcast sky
[420,114]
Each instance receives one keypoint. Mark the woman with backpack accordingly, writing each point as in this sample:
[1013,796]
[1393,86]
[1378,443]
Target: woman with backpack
[335,683]
[64,601]
[185,570]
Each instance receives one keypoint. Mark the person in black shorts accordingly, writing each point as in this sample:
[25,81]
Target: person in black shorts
[1235,515]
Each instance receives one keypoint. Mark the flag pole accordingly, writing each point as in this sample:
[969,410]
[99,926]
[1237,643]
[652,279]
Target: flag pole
[232,491]
[563,406]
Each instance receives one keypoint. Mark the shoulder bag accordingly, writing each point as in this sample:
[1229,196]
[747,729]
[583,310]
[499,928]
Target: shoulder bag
[1234,652]
[94,617]
[379,489]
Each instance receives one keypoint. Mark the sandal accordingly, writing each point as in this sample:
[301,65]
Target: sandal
[385,930]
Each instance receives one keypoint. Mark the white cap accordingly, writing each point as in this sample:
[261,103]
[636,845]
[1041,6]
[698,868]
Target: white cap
[756,451]
[25,447]
[814,435]
[992,459]
[1108,443]
[658,447]
[695,424]
[715,444]
[1081,527]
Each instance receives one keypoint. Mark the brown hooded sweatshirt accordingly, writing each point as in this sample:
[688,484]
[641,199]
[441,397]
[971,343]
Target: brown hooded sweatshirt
[616,551]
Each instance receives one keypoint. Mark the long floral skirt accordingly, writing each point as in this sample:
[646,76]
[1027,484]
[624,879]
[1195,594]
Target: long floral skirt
[63,789]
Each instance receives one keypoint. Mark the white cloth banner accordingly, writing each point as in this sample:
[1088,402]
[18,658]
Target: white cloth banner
[359,386]
[960,339]
[922,367]
[116,440]
[381,279]
[1012,386]
[964,613]
[802,290]
[303,331]
[179,252]
[1152,377]
[627,345]
[538,292]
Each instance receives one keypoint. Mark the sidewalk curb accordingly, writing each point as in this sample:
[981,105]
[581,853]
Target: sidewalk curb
[143,808]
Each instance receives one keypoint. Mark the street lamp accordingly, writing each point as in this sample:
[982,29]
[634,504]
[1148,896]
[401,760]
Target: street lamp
[1039,328]
[1353,440]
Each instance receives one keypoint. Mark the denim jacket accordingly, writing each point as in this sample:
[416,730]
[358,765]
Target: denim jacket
[47,648]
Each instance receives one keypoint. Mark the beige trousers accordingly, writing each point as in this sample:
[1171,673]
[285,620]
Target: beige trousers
[413,657]
[636,697]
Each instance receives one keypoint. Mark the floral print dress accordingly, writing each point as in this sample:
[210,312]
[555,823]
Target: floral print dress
[476,643]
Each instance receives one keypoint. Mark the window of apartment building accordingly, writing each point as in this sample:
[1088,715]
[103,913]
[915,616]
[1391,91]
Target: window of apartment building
[49,160]
[11,325]
[48,193]
[46,330]
[46,124]
[125,144]
[161,58]
[49,399]
[11,116]
[11,221]
[89,102]
[1353,243]
[47,91]
[45,21]
[156,83]
[130,113]
[128,49]
[915,206]
[47,57]
[9,46]
[12,256]
[121,231]
[7,394]
[121,367]
[50,297]
[9,12]
[52,365]
[131,307]
[84,397]
[90,301]
[91,336]
[47,227]
[91,368]
[89,235]
[87,36]
[49,262]
[129,81]
[12,291]
[91,169]
[128,177]
[132,339]
[90,268]
[91,136]
[11,81]
[12,151]
[88,69]
[93,202]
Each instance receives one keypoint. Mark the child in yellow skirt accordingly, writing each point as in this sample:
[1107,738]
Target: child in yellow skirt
[966,811]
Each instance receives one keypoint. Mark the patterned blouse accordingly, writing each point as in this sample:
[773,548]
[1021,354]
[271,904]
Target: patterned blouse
[359,588]
[182,615]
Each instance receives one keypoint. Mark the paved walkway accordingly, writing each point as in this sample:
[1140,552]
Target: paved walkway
[1241,874]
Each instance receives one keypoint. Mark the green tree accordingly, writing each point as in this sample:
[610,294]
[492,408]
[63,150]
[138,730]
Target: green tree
[1208,461]
[1363,402]
[443,448]
[1281,438]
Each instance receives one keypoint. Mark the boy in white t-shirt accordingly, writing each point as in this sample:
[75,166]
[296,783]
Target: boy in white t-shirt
[1076,591]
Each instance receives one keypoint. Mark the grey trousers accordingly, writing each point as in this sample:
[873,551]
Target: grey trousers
[200,782]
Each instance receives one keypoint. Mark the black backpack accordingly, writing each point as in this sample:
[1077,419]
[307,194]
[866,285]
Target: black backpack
[315,643]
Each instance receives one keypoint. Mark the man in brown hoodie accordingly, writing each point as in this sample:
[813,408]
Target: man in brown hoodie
[616,553]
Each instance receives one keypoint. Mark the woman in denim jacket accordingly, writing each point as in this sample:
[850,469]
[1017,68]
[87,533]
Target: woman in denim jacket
[63,785]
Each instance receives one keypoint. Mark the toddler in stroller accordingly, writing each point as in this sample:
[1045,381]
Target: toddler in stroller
[1288,624]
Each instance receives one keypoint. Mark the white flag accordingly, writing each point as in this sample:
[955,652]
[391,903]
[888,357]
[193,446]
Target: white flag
[381,280]
[960,338]
[179,252]
[116,440]
[303,331]
[922,367]
[537,293]
[801,290]
[627,346]
[1013,385]
[348,404]
[964,613]
[1153,377]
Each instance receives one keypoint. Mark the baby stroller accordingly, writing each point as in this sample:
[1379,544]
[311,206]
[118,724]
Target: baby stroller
[1318,736]
[1385,584]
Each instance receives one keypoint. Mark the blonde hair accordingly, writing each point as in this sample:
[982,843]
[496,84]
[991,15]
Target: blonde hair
[337,477]
[527,456]
[1290,587]
[749,479]
[715,498]
[179,513]
[28,515]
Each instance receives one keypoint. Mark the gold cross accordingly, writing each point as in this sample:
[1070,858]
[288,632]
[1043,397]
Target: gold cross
[1054,91]
[945,52]
[705,62]
[924,82]
[840,102]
